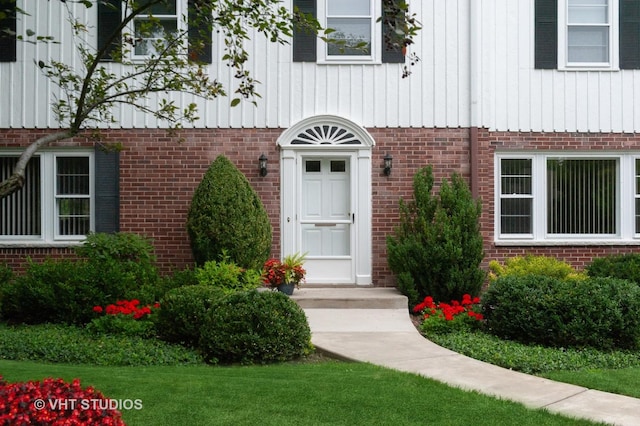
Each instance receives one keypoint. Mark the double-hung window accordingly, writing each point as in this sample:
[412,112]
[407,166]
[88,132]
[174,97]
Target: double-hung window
[56,202]
[560,198]
[153,28]
[355,30]
[363,32]
[586,33]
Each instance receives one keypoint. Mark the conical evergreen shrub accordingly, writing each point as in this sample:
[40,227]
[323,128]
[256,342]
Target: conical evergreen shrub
[227,218]
[437,247]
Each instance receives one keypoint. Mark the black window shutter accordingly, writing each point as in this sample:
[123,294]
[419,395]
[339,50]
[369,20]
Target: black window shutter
[546,34]
[199,33]
[304,42]
[107,187]
[8,32]
[109,18]
[629,34]
[391,47]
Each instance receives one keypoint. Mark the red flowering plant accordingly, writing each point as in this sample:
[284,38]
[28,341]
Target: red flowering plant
[55,402]
[287,271]
[125,317]
[440,318]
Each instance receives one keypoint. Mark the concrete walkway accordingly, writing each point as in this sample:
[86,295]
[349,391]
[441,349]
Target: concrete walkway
[373,325]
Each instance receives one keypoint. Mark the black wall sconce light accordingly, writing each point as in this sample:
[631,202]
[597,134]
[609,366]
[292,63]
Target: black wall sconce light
[263,165]
[388,163]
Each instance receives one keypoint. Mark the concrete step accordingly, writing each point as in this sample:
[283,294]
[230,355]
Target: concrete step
[349,298]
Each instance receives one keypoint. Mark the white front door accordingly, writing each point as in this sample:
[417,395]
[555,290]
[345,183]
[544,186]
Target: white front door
[325,189]
[326,215]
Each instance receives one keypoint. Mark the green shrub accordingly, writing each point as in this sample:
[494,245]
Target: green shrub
[155,292]
[226,217]
[183,311]
[623,266]
[255,327]
[227,276]
[68,344]
[122,264]
[55,291]
[64,291]
[122,324]
[6,275]
[598,312]
[437,248]
[533,265]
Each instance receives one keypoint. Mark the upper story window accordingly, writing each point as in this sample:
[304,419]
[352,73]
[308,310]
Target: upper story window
[560,198]
[354,21]
[355,27]
[152,28]
[586,36]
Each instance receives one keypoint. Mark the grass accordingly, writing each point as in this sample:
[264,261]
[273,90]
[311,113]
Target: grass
[608,371]
[622,381]
[317,393]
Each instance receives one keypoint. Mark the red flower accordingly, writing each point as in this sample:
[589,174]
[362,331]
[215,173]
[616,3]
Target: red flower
[97,309]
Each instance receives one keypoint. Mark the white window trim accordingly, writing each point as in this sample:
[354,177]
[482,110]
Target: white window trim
[376,37]
[563,54]
[625,210]
[181,26]
[49,214]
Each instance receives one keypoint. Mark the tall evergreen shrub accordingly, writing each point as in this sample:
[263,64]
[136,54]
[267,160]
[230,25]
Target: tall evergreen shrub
[436,249]
[227,218]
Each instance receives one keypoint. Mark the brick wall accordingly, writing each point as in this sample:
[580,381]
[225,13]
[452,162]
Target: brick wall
[159,174]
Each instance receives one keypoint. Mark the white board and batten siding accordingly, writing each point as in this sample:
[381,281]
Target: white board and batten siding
[512,95]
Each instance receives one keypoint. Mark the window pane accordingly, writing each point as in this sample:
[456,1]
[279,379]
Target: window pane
[20,212]
[338,166]
[312,166]
[72,176]
[588,12]
[348,8]
[516,203]
[581,196]
[516,176]
[588,44]
[72,195]
[74,217]
[516,216]
[150,36]
[168,8]
[353,31]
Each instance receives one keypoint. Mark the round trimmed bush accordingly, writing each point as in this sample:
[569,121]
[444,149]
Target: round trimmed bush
[182,313]
[255,327]
[623,266]
[599,312]
[227,218]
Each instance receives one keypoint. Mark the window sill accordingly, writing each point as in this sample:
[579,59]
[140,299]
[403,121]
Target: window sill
[608,242]
[39,244]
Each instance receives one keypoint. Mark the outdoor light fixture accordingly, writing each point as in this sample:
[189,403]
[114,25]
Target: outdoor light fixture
[263,165]
[388,160]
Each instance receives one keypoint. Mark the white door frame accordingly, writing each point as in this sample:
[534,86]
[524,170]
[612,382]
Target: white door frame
[326,136]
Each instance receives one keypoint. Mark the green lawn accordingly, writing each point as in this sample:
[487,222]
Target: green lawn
[625,381]
[315,393]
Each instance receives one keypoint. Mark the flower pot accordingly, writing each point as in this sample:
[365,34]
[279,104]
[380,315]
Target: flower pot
[286,288]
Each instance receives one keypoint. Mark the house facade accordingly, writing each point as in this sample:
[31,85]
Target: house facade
[535,102]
